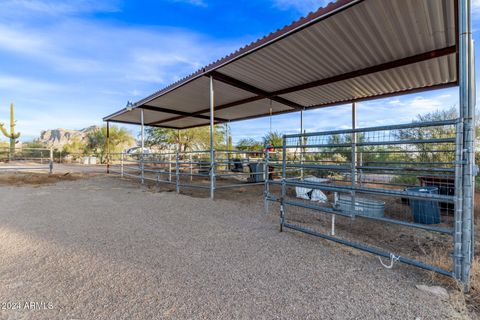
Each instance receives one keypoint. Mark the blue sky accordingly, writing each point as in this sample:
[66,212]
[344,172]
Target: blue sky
[66,64]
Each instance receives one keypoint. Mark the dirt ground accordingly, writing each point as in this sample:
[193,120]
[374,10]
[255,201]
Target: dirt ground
[90,246]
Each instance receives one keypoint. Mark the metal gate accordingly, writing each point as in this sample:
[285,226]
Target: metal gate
[394,191]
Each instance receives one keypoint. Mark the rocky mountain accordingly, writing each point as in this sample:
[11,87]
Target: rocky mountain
[57,138]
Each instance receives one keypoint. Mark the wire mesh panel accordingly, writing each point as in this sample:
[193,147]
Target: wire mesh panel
[386,190]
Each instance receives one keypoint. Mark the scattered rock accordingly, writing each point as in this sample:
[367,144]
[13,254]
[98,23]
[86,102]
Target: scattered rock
[436,290]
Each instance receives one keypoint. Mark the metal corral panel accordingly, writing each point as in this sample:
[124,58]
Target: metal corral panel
[349,50]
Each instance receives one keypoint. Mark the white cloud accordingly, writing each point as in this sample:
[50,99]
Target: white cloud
[21,42]
[475,12]
[388,111]
[77,70]
[24,85]
[475,4]
[302,6]
[135,93]
[406,108]
[75,45]
[199,3]
[53,7]
[45,46]
[307,6]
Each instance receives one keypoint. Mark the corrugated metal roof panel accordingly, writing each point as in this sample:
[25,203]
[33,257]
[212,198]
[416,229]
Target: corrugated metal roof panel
[149,116]
[313,17]
[428,73]
[363,48]
[370,33]
[251,109]
[196,96]
[186,123]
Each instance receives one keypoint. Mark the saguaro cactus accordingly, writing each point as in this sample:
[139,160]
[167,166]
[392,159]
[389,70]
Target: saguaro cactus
[12,135]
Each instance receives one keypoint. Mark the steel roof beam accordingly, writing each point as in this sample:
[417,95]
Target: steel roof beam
[386,95]
[346,76]
[220,107]
[247,87]
[136,123]
[374,69]
[179,113]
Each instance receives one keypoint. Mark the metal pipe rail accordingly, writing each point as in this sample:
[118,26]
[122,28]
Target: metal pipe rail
[27,159]
[190,169]
[406,194]
[359,164]
[373,143]
[370,249]
[448,231]
[379,128]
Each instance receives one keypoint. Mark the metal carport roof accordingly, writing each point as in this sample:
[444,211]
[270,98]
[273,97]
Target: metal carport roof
[350,50]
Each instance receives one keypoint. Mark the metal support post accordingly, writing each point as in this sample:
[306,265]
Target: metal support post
[473,99]
[108,146]
[301,145]
[212,140]
[169,167]
[50,164]
[467,115]
[177,172]
[121,164]
[266,188]
[191,167]
[354,154]
[335,200]
[457,251]
[142,142]
[284,187]
[227,144]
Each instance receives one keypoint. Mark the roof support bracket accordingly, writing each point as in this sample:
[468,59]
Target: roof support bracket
[247,87]
[179,113]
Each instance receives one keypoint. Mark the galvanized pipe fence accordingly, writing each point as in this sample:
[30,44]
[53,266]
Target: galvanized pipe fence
[394,191]
[26,159]
[193,169]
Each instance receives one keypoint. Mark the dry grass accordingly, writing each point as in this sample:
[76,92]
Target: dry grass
[438,258]
[467,303]
[457,298]
[19,179]
[473,297]
[463,303]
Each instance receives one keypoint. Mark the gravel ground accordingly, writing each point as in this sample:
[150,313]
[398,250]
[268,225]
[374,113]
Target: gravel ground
[104,248]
